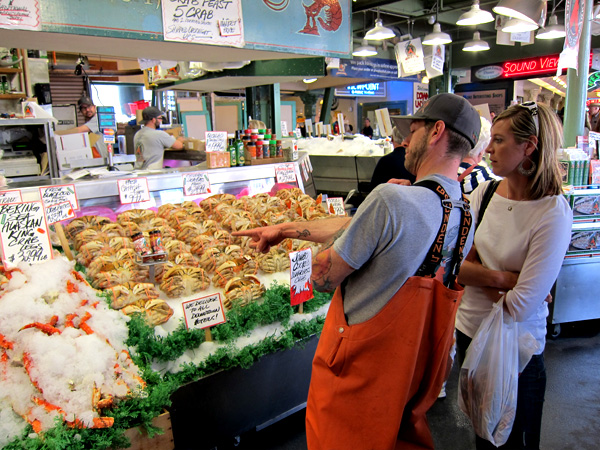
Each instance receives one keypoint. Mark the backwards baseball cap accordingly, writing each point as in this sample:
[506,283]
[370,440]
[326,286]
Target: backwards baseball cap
[84,100]
[150,113]
[455,111]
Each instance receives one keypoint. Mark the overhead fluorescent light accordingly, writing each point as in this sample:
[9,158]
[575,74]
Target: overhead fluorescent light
[379,32]
[437,37]
[475,16]
[553,30]
[476,45]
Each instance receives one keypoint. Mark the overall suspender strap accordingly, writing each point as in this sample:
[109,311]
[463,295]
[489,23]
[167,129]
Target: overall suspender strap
[434,256]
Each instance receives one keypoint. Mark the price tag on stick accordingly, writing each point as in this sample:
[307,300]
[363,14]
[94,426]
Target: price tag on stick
[24,233]
[133,190]
[59,194]
[301,288]
[216,141]
[203,312]
[285,173]
[59,212]
[196,183]
[11,196]
[335,205]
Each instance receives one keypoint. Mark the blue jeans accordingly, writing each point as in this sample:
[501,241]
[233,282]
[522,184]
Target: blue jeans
[525,434]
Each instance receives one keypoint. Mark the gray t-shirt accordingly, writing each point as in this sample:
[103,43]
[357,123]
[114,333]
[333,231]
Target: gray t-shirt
[100,146]
[150,147]
[388,239]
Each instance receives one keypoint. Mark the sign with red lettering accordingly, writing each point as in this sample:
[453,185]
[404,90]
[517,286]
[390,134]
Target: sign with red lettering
[420,95]
[520,68]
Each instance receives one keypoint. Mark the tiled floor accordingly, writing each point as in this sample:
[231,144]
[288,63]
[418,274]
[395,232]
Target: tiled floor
[571,413]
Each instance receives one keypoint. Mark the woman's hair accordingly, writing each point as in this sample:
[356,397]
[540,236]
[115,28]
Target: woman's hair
[546,179]
[257,124]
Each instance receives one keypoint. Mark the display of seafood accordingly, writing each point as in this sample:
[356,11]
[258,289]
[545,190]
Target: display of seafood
[63,352]
[200,249]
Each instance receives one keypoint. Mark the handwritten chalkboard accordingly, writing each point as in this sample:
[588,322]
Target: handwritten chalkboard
[59,212]
[196,183]
[203,312]
[301,288]
[133,190]
[12,196]
[59,194]
[24,233]
[215,22]
[216,141]
[285,173]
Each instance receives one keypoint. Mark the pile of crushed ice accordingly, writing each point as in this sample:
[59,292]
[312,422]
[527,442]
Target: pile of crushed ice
[358,145]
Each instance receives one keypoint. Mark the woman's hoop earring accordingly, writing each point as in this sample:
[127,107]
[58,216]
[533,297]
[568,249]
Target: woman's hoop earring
[527,172]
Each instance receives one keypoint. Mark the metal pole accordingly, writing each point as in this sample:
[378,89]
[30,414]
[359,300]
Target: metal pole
[577,84]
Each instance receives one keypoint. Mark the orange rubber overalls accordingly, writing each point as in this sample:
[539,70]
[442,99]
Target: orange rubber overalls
[373,382]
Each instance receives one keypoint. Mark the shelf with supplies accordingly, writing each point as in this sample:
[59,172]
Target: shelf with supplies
[13,96]
[9,70]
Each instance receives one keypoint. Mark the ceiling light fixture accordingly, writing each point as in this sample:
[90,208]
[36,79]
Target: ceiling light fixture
[364,50]
[533,11]
[379,32]
[476,45]
[553,30]
[437,37]
[519,26]
[475,16]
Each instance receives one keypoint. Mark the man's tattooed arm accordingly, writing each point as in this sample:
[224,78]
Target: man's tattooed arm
[329,269]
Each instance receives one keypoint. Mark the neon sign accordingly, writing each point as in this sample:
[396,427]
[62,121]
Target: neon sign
[362,90]
[531,66]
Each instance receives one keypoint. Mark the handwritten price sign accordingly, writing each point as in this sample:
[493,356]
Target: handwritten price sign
[216,141]
[24,233]
[285,173]
[335,205]
[59,194]
[203,312]
[196,183]
[301,288]
[12,196]
[59,212]
[284,129]
[133,190]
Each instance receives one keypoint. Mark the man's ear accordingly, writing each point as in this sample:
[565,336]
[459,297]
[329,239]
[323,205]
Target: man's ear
[436,132]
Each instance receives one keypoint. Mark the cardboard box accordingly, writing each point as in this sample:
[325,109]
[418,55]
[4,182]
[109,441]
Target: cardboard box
[215,160]
[194,144]
[175,131]
[72,141]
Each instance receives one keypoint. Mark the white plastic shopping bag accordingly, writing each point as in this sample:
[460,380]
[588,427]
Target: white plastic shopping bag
[488,382]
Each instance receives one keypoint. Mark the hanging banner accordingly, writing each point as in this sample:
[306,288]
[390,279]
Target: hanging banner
[574,12]
[20,14]
[373,68]
[434,63]
[409,56]
[204,22]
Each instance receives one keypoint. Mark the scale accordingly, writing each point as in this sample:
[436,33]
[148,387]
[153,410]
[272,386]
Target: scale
[107,124]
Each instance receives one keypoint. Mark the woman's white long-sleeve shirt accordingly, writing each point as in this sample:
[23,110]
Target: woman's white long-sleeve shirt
[531,239]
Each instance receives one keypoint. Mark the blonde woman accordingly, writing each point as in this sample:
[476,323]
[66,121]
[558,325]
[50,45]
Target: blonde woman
[519,248]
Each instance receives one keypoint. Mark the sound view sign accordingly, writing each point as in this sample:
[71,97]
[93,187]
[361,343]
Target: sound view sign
[362,90]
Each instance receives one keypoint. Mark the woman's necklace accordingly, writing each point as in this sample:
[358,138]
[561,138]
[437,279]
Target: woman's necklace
[514,202]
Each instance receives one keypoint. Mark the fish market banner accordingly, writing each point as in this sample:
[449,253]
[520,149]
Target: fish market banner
[376,68]
[308,27]
[574,14]
[214,22]
[20,14]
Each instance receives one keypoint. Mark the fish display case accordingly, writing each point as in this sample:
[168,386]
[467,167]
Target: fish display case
[574,300]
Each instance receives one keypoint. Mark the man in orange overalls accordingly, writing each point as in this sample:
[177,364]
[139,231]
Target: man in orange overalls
[383,353]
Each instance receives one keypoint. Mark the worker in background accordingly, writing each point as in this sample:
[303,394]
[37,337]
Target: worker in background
[391,166]
[594,114]
[367,130]
[88,110]
[150,142]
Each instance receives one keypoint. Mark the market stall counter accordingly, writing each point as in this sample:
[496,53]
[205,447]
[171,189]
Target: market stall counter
[248,367]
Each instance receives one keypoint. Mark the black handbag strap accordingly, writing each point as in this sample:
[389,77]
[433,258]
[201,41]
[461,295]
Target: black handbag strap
[485,201]
[434,256]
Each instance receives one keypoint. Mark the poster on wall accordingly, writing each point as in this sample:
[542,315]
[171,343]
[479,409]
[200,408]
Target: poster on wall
[420,95]
[495,99]
[20,14]
[204,22]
